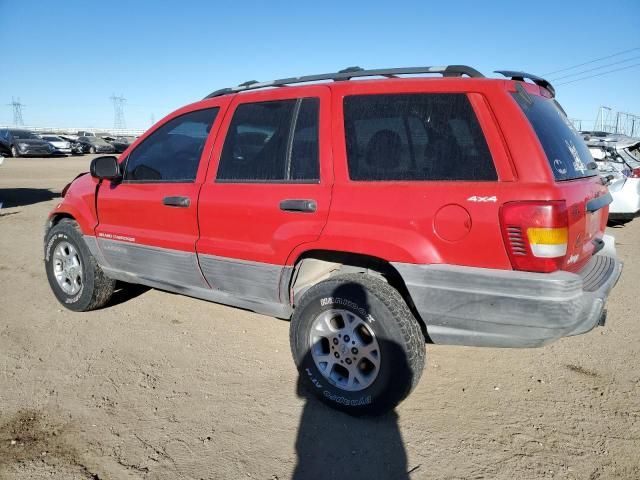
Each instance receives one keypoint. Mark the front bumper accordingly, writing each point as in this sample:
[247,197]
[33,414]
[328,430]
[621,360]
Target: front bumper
[506,308]
[35,150]
[62,151]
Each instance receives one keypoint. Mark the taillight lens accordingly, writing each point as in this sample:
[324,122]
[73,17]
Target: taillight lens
[536,234]
[635,173]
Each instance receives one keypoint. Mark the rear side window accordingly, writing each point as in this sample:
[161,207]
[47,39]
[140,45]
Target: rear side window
[415,137]
[566,152]
[272,142]
[171,153]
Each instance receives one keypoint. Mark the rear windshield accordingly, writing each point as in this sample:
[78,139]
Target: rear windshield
[566,151]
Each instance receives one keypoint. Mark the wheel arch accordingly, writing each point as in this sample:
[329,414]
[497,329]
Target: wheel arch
[313,266]
[85,225]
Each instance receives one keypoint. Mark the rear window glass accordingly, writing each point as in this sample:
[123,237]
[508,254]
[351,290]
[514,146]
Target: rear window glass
[415,137]
[566,151]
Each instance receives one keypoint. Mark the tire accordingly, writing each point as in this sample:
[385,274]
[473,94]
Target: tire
[14,152]
[92,149]
[375,312]
[64,243]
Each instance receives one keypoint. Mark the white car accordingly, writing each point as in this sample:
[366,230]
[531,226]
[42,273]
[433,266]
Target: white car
[614,161]
[61,145]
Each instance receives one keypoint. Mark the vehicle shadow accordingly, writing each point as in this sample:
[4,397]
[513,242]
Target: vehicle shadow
[20,197]
[332,444]
[125,292]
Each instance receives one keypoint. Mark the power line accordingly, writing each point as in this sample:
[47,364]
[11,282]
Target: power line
[592,61]
[599,74]
[594,68]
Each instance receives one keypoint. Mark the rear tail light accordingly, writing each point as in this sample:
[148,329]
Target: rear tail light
[635,173]
[535,234]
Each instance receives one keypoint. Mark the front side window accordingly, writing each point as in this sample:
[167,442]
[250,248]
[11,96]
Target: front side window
[407,137]
[274,141]
[172,153]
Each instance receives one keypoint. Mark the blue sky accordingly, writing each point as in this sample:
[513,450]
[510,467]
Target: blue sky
[64,59]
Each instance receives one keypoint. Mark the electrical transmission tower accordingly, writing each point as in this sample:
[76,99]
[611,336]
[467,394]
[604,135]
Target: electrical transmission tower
[17,111]
[118,111]
[604,120]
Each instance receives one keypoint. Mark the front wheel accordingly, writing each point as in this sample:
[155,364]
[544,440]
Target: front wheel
[356,344]
[92,149]
[75,277]
[15,153]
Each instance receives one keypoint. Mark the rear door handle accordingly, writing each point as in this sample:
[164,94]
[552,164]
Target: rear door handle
[295,205]
[182,202]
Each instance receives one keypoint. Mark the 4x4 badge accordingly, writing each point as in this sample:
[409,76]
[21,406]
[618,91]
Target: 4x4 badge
[476,198]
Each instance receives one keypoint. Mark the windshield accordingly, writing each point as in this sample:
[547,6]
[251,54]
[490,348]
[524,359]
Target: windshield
[566,151]
[23,135]
[50,138]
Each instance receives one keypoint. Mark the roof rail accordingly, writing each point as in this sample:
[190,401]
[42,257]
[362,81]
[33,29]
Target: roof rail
[352,72]
[520,76]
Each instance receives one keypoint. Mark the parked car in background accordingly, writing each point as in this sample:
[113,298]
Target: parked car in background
[22,143]
[93,144]
[83,133]
[615,158]
[76,147]
[61,146]
[119,143]
[374,214]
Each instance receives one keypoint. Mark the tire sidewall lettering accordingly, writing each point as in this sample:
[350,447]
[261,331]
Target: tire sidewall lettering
[353,306]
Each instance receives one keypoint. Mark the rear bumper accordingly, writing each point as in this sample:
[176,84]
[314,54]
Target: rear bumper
[506,308]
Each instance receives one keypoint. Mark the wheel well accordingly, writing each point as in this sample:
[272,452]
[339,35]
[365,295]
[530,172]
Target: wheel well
[317,265]
[56,219]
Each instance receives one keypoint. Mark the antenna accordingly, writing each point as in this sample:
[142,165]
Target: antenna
[17,111]
[118,111]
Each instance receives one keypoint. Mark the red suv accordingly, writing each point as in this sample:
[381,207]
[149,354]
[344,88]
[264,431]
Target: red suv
[377,214]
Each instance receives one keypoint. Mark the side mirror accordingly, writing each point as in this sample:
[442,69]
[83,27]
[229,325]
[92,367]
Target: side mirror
[105,168]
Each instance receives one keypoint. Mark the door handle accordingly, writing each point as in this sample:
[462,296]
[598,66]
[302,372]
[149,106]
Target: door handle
[307,206]
[183,202]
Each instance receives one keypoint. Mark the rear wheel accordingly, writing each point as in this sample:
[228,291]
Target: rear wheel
[15,152]
[356,344]
[75,277]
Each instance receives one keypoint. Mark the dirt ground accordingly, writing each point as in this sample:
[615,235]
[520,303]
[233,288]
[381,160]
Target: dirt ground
[161,386]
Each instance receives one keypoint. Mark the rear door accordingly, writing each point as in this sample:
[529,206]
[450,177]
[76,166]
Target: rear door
[270,191]
[148,223]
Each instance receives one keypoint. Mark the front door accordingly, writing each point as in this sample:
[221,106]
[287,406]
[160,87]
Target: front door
[270,191]
[148,223]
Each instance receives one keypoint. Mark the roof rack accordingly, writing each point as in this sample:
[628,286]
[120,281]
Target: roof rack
[520,76]
[353,72]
